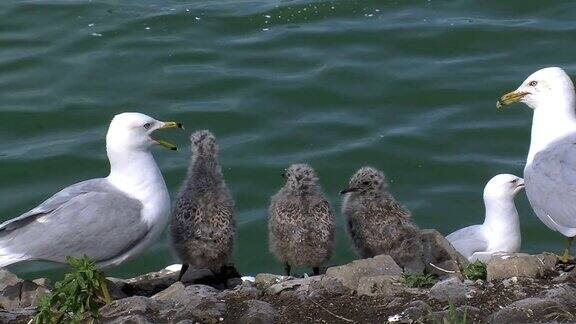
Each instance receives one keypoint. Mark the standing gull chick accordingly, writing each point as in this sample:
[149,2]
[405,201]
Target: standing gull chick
[500,231]
[301,222]
[203,225]
[550,172]
[108,219]
[377,223]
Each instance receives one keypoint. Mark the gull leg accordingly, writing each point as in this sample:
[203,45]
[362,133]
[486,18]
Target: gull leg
[183,271]
[567,257]
[287,269]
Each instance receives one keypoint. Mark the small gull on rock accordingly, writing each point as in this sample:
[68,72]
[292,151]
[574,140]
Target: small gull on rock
[500,231]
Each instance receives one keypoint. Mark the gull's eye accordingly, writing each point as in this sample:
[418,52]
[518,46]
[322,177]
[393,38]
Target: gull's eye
[533,83]
[147,125]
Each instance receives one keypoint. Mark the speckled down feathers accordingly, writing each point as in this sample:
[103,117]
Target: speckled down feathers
[301,221]
[377,223]
[203,225]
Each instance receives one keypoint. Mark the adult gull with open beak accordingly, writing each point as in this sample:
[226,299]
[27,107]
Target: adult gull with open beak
[108,219]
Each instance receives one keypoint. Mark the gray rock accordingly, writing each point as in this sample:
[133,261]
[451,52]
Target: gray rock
[564,294]
[20,316]
[150,283]
[295,284]
[44,282]
[193,275]
[170,293]
[16,293]
[233,282]
[135,305]
[326,286]
[10,287]
[259,312]
[520,265]
[383,285]
[31,294]
[7,279]
[197,302]
[449,290]
[439,251]
[264,280]
[416,310]
[240,292]
[350,274]
[294,296]
[116,288]
[565,277]
[131,319]
[531,310]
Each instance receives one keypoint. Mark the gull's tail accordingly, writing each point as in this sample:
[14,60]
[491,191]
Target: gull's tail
[7,259]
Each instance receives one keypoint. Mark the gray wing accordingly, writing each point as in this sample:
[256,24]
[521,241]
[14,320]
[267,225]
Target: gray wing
[53,203]
[90,217]
[468,240]
[551,185]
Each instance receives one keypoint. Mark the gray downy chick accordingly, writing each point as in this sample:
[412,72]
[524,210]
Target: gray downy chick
[203,225]
[377,223]
[301,221]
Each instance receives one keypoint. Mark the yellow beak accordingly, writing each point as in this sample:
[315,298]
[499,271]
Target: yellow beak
[171,124]
[165,144]
[510,98]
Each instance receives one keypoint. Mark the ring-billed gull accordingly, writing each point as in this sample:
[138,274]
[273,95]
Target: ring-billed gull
[550,171]
[301,221]
[203,226]
[108,219]
[377,223]
[500,231]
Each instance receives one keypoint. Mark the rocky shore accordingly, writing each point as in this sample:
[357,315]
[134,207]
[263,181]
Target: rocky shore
[519,288]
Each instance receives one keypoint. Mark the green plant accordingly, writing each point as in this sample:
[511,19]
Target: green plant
[475,271]
[454,315]
[414,280]
[77,297]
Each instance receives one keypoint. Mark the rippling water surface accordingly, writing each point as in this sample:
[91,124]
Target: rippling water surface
[406,86]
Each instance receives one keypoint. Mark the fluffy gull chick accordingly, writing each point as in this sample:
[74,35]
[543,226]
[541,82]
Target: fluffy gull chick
[377,223]
[500,231]
[550,172]
[108,219]
[301,221]
[203,225]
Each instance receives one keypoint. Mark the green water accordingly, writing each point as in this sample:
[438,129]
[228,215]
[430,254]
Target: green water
[406,86]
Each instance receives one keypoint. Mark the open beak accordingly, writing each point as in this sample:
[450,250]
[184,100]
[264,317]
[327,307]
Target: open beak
[165,144]
[510,98]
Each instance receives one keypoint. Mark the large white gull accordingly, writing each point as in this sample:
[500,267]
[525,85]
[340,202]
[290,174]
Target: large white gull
[500,231]
[550,172]
[108,219]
